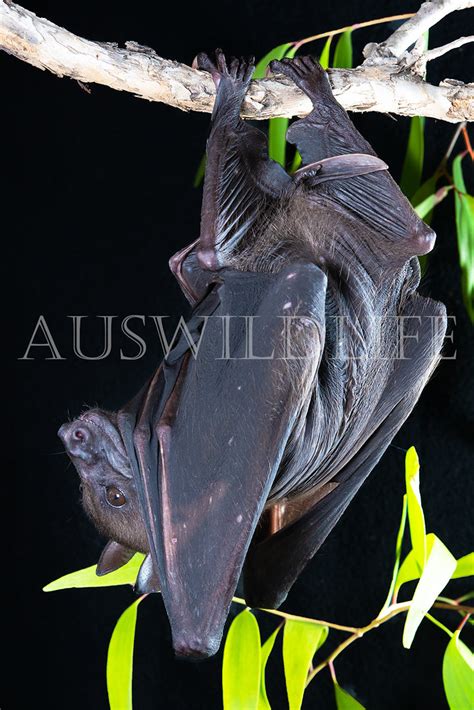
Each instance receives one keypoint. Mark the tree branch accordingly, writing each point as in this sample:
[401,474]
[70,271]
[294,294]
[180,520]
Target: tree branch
[429,14]
[136,69]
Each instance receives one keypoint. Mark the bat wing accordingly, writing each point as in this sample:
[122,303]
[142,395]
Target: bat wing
[137,425]
[221,435]
[328,138]
[273,565]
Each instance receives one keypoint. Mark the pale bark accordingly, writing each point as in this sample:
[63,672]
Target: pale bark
[375,86]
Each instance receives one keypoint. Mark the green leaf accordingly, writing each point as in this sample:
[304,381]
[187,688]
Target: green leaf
[464,214]
[301,640]
[425,190]
[413,164]
[440,565]
[87,577]
[345,701]
[277,139]
[324,56]
[343,52]
[429,203]
[200,172]
[120,660]
[464,566]
[267,648]
[398,552]
[409,569]
[415,510]
[296,162]
[241,664]
[275,53]
[458,674]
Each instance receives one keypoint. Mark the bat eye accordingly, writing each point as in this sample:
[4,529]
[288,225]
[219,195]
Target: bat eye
[115,497]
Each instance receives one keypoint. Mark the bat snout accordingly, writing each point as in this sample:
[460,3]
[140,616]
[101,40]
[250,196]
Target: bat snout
[79,440]
[190,646]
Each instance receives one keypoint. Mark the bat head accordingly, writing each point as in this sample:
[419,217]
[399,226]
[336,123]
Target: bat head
[109,496]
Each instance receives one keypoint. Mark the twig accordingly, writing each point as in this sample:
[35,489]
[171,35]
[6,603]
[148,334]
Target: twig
[356,26]
[294,617]
[429,14]
[140,71]
[392,611]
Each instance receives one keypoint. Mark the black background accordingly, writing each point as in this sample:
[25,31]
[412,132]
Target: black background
[98,196]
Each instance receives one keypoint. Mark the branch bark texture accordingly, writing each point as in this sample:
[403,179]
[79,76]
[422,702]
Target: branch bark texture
[375,86]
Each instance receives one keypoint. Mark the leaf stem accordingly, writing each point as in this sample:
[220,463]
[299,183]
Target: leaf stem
[355,26]
[294,617]
[439,624]
[392,611]
[467,140]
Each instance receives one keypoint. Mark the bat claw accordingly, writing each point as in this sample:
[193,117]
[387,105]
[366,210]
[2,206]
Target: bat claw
[306,72]
[238,71]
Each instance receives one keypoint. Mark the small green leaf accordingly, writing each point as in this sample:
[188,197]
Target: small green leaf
[267,648]
[87,577]
[120,660]
[413,164]
[439,566]
[296,162]
[409,569]
[464,566]
[241,664]
[345,701]
[425,190]
[415,510]
[275,53]
[200,172]
[458,674]
[324,56]
[398,552]
[424,208]
[301,640]
[277,128]
[343,52]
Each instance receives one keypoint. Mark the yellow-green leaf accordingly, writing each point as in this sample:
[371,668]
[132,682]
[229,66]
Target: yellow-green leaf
[415,510]
[87,577]
[343,52]
[241,664]
[427,205]
[458,674]
[440,565]
[324,56]
[301,640]
[275,53]
[398,553]
[345,701]
[120,660]
[263,703]
[409,569]
[464,566]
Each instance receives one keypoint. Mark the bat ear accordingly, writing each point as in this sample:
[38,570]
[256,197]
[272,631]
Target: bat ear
[114,555]
[147,580]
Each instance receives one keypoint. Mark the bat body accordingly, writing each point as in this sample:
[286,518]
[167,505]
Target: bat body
[307,349]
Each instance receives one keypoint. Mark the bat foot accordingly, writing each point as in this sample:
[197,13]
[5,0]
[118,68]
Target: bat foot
[236,71]
[306,72]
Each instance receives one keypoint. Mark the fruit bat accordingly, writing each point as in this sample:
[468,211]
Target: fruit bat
[240,455]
